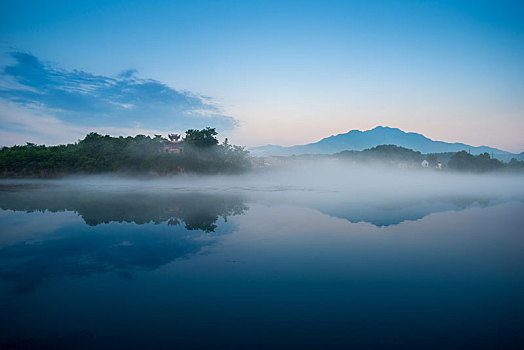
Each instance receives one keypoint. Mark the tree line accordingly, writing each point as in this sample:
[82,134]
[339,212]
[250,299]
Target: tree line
[464,161]
[459,161]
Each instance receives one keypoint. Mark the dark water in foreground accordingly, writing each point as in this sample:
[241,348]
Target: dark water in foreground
[186,268]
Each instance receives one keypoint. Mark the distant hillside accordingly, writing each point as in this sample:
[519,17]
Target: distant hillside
[360,140]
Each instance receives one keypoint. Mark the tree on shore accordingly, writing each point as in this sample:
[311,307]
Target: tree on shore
[204,138]
[468,162]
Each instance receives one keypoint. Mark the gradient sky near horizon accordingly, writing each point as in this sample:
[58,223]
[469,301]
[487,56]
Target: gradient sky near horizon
[279,72]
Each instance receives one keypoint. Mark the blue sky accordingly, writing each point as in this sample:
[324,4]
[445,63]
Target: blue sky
[282,72]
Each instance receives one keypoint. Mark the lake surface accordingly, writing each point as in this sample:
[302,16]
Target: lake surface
[85,265]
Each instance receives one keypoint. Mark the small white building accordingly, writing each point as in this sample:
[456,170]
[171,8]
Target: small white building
[425,163]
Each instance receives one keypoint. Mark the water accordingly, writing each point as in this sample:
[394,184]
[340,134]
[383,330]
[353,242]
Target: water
[239,266]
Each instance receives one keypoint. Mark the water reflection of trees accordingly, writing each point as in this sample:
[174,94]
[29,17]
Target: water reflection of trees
[198,211]
[192,222]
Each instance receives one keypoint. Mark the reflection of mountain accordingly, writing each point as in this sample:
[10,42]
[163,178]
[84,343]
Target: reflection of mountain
[78,250]
[381,214]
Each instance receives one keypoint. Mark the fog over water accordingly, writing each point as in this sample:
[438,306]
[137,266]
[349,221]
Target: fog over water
[364,182]
[309,254]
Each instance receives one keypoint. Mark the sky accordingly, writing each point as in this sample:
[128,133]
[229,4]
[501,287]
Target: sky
[278,72]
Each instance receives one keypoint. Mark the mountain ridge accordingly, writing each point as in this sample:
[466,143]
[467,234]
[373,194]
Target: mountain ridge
[358,140]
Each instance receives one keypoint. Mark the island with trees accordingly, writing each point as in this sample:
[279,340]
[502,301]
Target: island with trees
[198,152]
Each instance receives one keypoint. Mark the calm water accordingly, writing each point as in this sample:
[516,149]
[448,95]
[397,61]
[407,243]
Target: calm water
[189,267]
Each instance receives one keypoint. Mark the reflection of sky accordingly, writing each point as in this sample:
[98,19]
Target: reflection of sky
[302,278]
[110,231]
[54,245]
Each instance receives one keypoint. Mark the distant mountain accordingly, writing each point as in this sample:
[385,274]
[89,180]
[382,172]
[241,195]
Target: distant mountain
[381,135]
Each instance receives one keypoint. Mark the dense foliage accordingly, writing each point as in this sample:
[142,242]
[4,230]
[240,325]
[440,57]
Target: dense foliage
[483,162]
[460,161]
[389,153]
[140,154]
[201,138]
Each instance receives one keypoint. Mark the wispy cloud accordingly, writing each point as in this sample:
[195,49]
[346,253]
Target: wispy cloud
[21,124]
[81,100]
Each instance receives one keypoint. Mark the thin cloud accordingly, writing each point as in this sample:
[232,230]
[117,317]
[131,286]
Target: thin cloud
[84,99]
[21,124]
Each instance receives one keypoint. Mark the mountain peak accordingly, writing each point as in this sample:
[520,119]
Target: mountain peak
[385,128]
[380,135]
